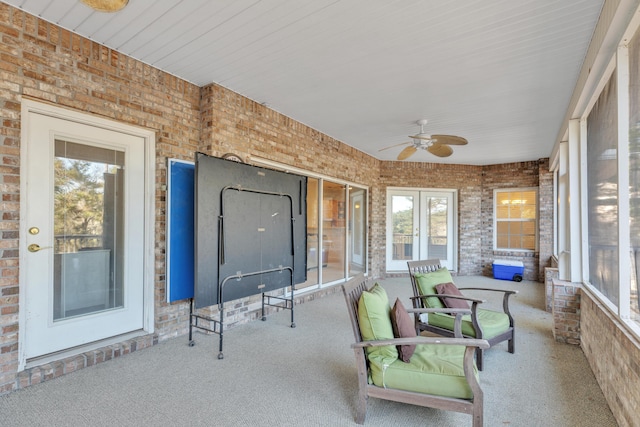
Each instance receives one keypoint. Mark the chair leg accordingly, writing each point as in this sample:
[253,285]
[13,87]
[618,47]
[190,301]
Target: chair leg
[478,415]
[361,411]
[512,343]
[479,357]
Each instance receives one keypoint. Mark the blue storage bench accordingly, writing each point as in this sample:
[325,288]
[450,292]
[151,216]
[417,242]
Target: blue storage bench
[504,269]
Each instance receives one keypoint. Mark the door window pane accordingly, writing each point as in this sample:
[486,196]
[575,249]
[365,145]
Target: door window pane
[333,230]
[88,229]
[437,224]
[402,209]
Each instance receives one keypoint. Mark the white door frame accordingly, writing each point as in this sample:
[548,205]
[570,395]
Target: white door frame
[419,242]
[30,107]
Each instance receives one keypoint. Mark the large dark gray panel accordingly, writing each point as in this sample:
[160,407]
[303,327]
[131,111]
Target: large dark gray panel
[248,220]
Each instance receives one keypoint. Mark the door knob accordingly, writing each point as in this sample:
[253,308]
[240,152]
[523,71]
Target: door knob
[34,247]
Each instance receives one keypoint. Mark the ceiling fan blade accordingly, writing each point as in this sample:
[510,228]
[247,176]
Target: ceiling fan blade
[440,150]
[449,139]
[394,145]
[407,152]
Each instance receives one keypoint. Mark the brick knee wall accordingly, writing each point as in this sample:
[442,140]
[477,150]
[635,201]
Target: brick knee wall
[48,371]
[550,274]
[566,311]
[613,353]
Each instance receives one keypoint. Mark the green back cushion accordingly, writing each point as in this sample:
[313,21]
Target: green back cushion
[433,369]
[427,285]
[375,324]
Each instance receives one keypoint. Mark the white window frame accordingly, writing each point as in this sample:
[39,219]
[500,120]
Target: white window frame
[495,219]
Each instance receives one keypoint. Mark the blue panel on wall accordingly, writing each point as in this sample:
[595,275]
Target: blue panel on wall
[180,264]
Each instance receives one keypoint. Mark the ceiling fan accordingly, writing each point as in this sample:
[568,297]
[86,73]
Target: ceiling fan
[438,145]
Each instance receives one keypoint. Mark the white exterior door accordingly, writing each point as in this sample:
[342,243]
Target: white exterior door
[421,224]
[83,245]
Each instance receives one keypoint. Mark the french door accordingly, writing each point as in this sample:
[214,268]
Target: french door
[421,224]
[83,252]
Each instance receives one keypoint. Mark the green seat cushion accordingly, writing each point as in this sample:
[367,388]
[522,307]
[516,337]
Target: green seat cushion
[492,322]
[433,369]
[374,319]
[427,285]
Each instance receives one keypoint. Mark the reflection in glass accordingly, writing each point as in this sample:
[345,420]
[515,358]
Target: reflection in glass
[438,214]
[313,256]
[357,231]
[602,192]
[634,171]
[88,229]
[402,218]
[333,230]
[516,219]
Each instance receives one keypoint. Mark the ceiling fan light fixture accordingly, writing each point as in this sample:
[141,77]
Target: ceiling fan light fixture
[108,6]
[438,145]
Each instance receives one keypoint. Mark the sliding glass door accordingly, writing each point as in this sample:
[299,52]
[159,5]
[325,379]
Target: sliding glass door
[336,231]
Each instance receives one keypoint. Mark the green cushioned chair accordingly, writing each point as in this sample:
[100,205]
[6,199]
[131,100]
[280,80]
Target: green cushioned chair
[493,326]
[441,373]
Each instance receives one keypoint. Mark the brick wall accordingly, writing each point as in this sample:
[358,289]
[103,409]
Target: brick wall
[545,216]
[504,176]
[614,356]
[475,185]
[566,311]
[44,62]
[234,123]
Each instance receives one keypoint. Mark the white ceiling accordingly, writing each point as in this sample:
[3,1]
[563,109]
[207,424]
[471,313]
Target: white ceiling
[499,73]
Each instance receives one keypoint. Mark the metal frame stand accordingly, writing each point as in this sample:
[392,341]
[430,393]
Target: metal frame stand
[218,325]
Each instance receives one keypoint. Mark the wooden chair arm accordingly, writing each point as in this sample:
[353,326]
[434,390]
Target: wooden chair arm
[439,310]
[505,299]
[467,342]
[476,300]
[458,312]
[507,291]
[457,326]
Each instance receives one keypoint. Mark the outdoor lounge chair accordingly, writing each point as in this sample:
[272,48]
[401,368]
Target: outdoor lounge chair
[490,325]
[440,373]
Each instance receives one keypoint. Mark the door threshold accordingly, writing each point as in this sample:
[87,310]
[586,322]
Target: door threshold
[74,351]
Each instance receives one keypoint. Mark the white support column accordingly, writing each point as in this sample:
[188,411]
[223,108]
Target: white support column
[624,238]
[584,208]
[564,250]
[575,218]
